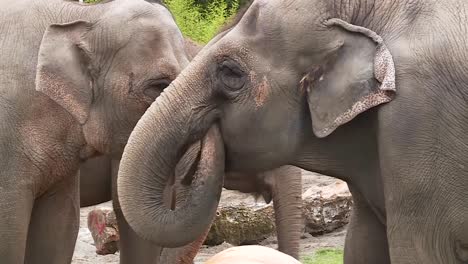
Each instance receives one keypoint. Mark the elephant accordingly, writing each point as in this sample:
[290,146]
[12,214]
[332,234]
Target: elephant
[74,80]
[252,254]
[97,185]
[371,92]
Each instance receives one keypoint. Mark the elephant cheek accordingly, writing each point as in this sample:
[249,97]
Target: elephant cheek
[261,92]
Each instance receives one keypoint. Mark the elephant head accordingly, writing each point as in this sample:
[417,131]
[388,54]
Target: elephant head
[106,71]
[284,74]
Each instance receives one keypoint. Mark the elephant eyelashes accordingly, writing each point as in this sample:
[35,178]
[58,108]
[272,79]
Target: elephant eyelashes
[155,88]
[231,75]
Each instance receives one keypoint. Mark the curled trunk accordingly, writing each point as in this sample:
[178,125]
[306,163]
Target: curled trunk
[150,157]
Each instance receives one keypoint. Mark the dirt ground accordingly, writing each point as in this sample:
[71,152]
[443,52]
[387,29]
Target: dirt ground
[85,250]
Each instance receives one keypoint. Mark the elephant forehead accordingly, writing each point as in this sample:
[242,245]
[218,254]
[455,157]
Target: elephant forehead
[137,17]
[233,45]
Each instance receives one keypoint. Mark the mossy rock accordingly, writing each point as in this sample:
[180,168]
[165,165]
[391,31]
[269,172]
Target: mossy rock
[325,208]
[241,225]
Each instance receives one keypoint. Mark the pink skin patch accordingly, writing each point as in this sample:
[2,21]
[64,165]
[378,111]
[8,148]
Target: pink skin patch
[262,92]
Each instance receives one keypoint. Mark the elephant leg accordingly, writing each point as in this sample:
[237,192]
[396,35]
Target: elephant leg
[366,239]
[287,202]
[16,206]
[55,222]
[133,249]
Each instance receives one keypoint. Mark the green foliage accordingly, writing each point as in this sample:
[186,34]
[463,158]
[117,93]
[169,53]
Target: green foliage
[201,22]
[91,1]
[325,256]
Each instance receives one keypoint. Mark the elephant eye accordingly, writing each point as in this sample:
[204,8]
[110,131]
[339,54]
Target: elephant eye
[155,88]
[231,75]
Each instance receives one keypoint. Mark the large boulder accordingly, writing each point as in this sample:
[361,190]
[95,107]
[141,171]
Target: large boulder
[242,219]
[326,208]
[242,224]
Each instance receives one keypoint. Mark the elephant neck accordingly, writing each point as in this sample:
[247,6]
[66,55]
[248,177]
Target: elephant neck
[347,153]
[323,162]
[351,158]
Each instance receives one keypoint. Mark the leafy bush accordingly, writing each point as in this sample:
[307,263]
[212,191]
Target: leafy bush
[325,256]
[201,22]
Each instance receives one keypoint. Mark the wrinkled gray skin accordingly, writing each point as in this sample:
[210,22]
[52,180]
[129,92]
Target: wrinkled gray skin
[405,161]
[96,173]
[283,186]
[74,80]
[97,185]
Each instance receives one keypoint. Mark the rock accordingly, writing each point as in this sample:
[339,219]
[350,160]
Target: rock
[241,220]
[102,224]
[326,208]
[240,225]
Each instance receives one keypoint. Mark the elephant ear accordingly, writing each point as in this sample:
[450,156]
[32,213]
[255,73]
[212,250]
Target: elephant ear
[63,68]
[357,76]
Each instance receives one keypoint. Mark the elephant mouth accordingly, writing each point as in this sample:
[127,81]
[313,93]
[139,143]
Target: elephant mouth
[200,157]
[188,164]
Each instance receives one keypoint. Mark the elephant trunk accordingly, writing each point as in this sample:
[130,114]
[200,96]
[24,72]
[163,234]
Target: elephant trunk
[154,148]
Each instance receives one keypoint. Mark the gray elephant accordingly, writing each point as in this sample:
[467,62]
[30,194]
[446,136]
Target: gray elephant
[98,184]
[74,80]
[371,92]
